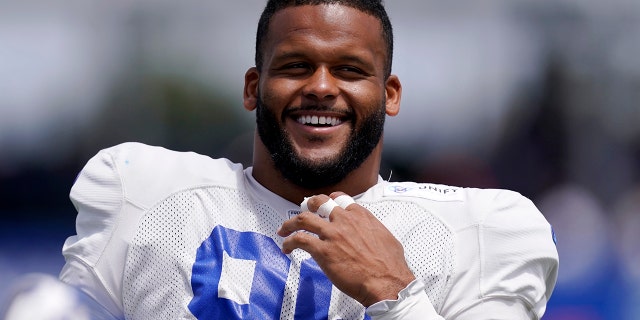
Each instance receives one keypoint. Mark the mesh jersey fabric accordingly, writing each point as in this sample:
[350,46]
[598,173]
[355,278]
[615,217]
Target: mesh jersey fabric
[172,235]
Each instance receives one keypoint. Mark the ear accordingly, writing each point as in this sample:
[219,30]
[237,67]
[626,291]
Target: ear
[250,94]
[393,93]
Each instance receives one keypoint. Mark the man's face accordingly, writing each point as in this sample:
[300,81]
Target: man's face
[321,92]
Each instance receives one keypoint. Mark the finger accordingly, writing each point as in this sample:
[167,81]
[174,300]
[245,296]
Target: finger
[325,209]
[301,240]
[321,204]
[304,205]
[344,200]
[305,221]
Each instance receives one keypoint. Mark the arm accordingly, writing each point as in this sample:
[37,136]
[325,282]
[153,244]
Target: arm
[361,258]
[510,275]
[518,260]
[412,304]
[506,260]
[97,196]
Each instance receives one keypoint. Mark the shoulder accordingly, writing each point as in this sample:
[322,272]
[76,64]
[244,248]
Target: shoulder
[138,154]
[479,203]
[146,173]
[423,191]
[494,213]
[441,192]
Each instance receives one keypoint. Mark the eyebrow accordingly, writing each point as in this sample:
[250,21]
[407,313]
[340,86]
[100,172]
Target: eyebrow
[289,55]
[342,57]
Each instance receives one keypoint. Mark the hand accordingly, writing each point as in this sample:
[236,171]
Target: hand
[354,249]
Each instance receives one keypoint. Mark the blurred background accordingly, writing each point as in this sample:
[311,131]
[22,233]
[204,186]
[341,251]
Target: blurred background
[538,96]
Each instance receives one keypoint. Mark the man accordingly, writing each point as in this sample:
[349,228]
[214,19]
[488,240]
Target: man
[167,235]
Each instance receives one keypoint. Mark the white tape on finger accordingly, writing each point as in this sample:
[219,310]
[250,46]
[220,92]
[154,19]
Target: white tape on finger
[325,209]
[303,206]
[344,201]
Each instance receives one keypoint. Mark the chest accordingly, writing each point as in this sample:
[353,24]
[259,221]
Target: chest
[214,254]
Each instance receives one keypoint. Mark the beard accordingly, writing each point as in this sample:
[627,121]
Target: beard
[316,174]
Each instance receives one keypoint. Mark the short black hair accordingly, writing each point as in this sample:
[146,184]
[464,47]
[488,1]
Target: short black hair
[371,7]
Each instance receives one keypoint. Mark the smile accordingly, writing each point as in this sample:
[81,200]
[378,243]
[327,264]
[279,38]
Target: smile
[319,120]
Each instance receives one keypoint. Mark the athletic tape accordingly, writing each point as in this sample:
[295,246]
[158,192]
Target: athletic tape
[303,206]
[325,209]
[344,201]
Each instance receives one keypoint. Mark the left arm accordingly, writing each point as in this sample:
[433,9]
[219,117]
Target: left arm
[365,261]
[361,258]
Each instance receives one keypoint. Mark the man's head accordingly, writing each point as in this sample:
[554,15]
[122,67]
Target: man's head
[372,7]
[321,90]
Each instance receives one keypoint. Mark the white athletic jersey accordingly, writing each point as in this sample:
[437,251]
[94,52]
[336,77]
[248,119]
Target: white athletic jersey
[177,235]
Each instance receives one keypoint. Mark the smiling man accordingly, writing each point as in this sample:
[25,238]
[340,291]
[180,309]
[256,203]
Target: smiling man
[310,231]
[321,88]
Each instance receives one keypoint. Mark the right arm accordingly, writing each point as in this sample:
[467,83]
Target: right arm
[98,197]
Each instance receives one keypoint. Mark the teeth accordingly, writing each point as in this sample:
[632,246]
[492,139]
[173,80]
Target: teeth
[333,121]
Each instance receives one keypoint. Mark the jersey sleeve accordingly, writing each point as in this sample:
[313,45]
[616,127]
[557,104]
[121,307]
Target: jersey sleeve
[97,196]
[517,258]
[412,304]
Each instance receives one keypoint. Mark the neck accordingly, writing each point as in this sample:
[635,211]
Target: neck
[356,182]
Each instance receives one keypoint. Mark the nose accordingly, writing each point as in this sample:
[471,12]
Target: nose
[321,85]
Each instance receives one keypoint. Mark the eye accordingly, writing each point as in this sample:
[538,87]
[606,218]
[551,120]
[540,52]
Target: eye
[296,65]
[350,69]
[350,72]
[294,69]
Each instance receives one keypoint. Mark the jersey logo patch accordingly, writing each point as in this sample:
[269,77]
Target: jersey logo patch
[436,192]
